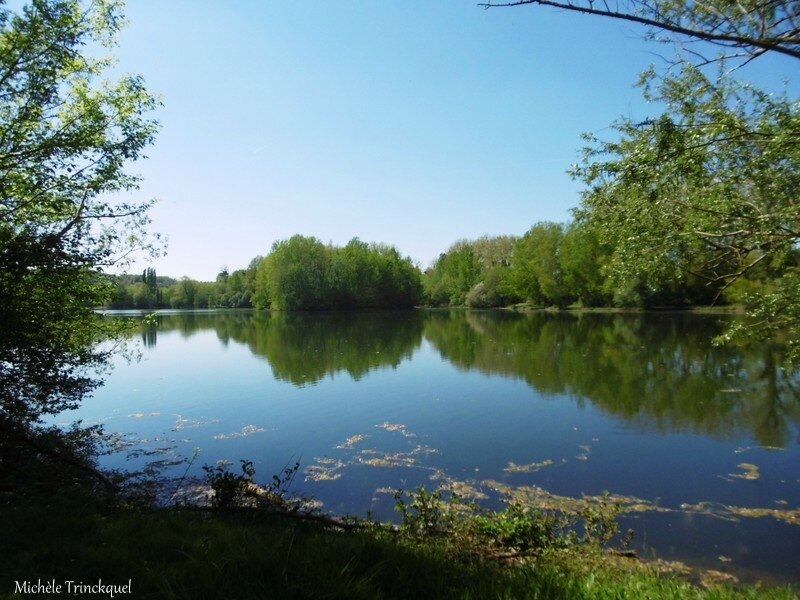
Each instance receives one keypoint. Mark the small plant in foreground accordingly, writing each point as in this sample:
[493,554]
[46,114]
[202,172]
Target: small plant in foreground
[522,529]
[229,489]
[232,490]
[600,522]
[517,530]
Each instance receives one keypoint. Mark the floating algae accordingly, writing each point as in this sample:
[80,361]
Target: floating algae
[529,468]
[377,458]
[463,489]
[437,475]
[741,449]
[396,427]
[789,516]
[733,513]
[181,423]
[536,497]
[324,469]
[750,472]
[351,441]
[246,430]
[118,442]
[389,460]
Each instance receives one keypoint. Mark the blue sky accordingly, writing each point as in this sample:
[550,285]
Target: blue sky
[411,123]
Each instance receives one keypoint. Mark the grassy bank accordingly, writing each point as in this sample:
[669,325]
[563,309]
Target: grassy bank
[254,553]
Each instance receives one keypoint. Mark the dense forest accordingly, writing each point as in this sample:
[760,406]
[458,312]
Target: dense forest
[552,264]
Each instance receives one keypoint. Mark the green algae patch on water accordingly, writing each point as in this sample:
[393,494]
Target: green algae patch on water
[398,427]
[734,513]
[183,423]
[378,458]
[529,468]
[751,472]
[375,458]
[350,442]
[536,497]
[324,469]
[247,430]
[464,489]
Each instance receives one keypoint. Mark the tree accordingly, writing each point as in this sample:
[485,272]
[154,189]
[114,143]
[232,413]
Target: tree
[453,274]
[302,273]
[744,30]
[709,189]
[292,276]
[67,136]
[536,273]
[582,258]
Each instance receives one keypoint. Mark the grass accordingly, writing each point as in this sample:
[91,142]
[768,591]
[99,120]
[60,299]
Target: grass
[65,526]
[196,554]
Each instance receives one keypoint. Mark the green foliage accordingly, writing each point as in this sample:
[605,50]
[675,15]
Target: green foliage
[231,490]
[424,514]
[702,195]
[183,554]
[536,273]
[228,489]
[600,522]
[522,529]
[452,276]
[472,273]
[230,290]
[235,290]
[583,256]
[66,137]
[518,529]
[301,273]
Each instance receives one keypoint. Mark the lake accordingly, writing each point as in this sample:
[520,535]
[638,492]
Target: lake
[700,445]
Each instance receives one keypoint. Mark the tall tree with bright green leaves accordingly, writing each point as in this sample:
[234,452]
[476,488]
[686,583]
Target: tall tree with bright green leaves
[67,137]
[708,190]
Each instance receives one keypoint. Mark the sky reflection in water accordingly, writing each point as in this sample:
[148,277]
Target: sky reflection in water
[699,444]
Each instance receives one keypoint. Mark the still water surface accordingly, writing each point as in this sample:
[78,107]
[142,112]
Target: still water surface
[701,445]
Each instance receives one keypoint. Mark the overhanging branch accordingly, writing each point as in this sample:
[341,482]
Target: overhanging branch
[788,44]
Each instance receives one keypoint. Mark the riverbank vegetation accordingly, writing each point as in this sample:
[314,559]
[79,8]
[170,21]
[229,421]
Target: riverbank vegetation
[550,265]
[681,209]
[246,541]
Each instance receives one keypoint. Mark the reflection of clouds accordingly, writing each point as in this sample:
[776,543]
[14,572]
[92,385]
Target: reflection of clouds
[586,451]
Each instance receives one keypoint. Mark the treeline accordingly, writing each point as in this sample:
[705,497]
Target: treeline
[150,291]
[300,273]
[552,264]
[562,265]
